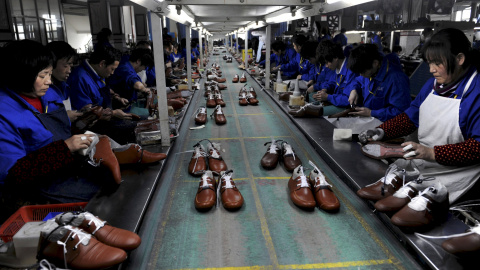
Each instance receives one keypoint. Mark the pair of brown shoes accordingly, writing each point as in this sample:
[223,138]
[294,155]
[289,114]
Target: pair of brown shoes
[209,190]
[276,149]
[307,192]
[247,97]
[198,164]
[214,99]
[83,241]
[126,154]
[309,110]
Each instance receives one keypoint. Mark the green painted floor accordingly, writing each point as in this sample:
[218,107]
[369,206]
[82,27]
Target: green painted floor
[268,232]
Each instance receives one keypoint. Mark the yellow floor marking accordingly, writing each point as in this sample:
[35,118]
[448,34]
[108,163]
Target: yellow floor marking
[263,220]
[300,266]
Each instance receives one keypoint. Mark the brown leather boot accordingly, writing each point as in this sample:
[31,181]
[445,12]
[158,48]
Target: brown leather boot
[215,160]
[300,189]
[105,156]
[231,197]
[198,163]
[218,115]
[78,250]
[309,110]
[134,153]
[206,196]
[201,116]
[290,159]
[322,191]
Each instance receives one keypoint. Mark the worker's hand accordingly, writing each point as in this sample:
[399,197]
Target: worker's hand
[123,101]
[418,151]
[106,114]
[310,89]
[78,142]
[310,83]
[299,76]
[121,114]
[73,115]
[376,134]
[353,98]
[362,111]
[321,95]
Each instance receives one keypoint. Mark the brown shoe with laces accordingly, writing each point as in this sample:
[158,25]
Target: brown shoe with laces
[215,160]
[198,163]
[218,115]
[322,191]
[201,116]
[290,159]
[231,197]
[206,196]
[300,189]
[270,159]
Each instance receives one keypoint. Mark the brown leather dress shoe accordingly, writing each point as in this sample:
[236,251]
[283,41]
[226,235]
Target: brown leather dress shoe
[176,104]
[426,209]
[220,80]
[309,110]
[222,86]
[231,197]
[243,79]
[136,154]
[285,96]
[323,192]
[201,116]
[269,161]
[242,99]
[198,163]
[399,199]
[383,188]
[235,78]
[290,159]
[464,245]
[344,113]
[219,100]
[218,115]
[105,156]
[215,160]
[251,90]
[79,250]
[206,196]
[110,235]
[211,101]
[251,99]
[300,189]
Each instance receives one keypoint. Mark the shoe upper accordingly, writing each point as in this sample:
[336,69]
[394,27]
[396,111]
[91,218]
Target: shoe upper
[229,193]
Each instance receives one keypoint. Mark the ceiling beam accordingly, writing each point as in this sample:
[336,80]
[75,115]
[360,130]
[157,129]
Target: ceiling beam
[242,2]
[226,19]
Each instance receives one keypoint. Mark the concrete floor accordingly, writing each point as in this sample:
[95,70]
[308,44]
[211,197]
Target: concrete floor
[268,232]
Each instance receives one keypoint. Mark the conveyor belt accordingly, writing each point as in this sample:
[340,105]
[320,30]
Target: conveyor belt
[268,232]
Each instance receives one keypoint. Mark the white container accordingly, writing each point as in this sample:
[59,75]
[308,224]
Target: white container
[26,240]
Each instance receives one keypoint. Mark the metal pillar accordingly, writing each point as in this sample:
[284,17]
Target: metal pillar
[201,46]
[189,56]
[392,34]
[267,57]
[231,41]
[160,80]
[245,60]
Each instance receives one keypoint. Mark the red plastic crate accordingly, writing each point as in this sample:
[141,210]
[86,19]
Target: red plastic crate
[33,213]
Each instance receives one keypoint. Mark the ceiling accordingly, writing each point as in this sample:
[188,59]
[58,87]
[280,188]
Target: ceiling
[226,16]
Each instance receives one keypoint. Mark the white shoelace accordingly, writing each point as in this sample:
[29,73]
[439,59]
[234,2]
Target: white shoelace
[219,109]
[201,110]
[214,151]
[204,181]
[83,238]
[227,178]
[320,178]
[273,147]
[98,223]
[404,191]
[288,150]
[199,152]
[419,203]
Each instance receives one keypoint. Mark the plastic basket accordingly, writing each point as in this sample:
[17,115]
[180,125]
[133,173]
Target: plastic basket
[33,213]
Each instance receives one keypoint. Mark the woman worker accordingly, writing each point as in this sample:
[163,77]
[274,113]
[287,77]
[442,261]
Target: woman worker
[446,115]
[36,145]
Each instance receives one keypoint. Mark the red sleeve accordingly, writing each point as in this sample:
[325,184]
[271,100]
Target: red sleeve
[45,160]
[399,126]
[460,154]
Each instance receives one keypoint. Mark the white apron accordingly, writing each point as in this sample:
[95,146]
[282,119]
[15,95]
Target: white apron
[438,125]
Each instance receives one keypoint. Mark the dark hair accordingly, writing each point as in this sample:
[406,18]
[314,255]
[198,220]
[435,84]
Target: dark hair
[386,50]
[25,58]
[61,50]
[309,50]
[327,51]
[166,43]
[109,54]
[325,31]
[143,43]
[343,30]
[397,49]
[445,45]
[104,34]
[144,55]
[299,40]
[361,57]
[279,45]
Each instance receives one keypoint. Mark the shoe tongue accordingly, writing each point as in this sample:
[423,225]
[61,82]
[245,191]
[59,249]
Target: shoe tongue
[83,236]
[303,181]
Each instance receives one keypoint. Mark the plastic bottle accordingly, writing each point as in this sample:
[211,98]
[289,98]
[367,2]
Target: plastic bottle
[296,92]
[279,77]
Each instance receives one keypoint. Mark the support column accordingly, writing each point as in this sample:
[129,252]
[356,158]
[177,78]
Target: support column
[160,80]
[200,34]
[188,33]
[392,35]
[231,41]
[267,57]
[245,60]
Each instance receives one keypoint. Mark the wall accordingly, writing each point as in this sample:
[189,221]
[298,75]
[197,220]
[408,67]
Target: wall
[78,31]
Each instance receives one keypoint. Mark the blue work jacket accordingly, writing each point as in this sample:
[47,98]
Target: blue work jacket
[388,93]
[184,55]
[340,39]
[87,88]
[469,116]
[21,132]
[340,85]
[60,88]
[300,66]
[322,74]
[288,67]
[123,80]
[151,76]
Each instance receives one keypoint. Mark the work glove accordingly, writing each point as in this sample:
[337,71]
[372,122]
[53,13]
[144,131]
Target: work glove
[371,135]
